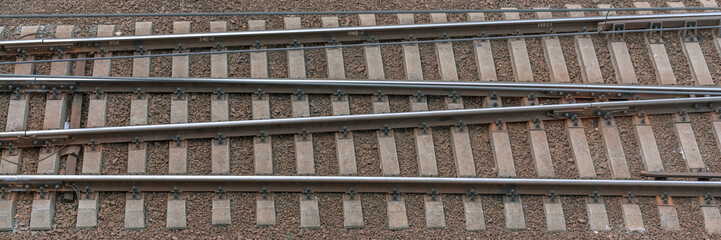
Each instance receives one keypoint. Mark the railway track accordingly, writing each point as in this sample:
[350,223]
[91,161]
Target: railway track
[530,127]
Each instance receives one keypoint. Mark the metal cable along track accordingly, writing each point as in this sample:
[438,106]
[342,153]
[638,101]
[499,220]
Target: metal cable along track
[355,34]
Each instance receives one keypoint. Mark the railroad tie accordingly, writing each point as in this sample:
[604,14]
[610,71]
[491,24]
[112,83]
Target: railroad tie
[620,57]
[309,213]
[43,211]
[97,115]
[614,148]
[711,215]
[397,216]
[87,209]
[553,54]
[692,49]
[555,220]
[586,52]
[265,208]
[483,53]
[538,140]
[579,145]
[221,214]
[657,51]
[631,214]
[473,207]
[411,53]
[374,60]
[345,146]
[134,210]
[444,52]
[7,210]
[18,110]
[461,141]
[513,208]
[352,210]
[178,148]
[62,68]
[262,144]
[386,139]
[102,68]
[520,61]
[27,32]
[647,142]
[220,145]
[219,62]
[667,213]
[296,58]
[137,152]
[426,153]
[141,66]
[596,212]
[687,139]
[435,215]
[12,160]
[176,215]
[137,157]
[258,60]
[92,161]
[180,64]
[334,56]
[300,105]
[500,142]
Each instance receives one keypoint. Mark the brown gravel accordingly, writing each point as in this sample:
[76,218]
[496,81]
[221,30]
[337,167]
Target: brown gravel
[429,62]
[631,148]
[604,58]
[444,152]
[239,107]
[4,105]
[241,162]
[374,205]
[598,151]
[521,149]
[37,111]
[541,73]
[569,55]
[638,49]
[558,144]
[324,152]
[393,66]
[679,61]
[703,130]
[713,60]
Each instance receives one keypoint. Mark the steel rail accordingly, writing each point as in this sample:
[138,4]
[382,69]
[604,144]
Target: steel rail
[216,14]
[207,130]
[60,84]
[352,34]
[166,183]
[351,45]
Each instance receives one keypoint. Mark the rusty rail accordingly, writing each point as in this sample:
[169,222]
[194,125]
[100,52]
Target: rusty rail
[700,175]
